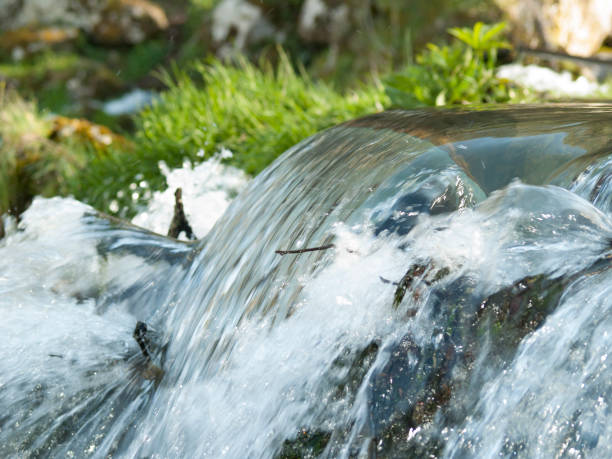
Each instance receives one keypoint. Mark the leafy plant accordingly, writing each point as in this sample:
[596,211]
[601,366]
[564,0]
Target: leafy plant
[481,38]
[463,72]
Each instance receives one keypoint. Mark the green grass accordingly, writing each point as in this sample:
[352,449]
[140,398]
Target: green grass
[30,163]
[257,113]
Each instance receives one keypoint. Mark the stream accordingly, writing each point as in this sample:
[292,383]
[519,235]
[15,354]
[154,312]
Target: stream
[463,309]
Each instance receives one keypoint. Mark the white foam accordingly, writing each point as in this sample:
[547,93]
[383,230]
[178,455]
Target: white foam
[208,189]
[546,80]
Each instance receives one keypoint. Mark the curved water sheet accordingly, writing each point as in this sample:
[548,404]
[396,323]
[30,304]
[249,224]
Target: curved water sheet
[462,309]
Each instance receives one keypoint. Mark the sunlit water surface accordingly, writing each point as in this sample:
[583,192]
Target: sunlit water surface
[498,346]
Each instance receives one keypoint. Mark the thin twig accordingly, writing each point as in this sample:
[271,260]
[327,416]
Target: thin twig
[387,281]
[179,221]
[310,249]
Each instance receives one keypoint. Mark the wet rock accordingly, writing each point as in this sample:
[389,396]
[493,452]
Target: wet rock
[81,129]
[425,381]
[417,273]
[238,24]
[150,371]
[108,22]
[576,27]
[128,22]
[28,40]
[348,371]
[510,314]
[407,392]
[323,21]
[306,444]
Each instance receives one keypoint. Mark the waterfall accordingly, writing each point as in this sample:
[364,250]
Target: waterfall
[460,309]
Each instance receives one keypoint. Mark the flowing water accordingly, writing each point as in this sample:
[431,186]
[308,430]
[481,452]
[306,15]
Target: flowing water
[463,310]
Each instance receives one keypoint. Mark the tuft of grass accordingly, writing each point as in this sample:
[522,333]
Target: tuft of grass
[257,113]
[35,158]
[30,164]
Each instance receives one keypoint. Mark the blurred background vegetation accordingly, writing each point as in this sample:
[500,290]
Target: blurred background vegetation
[94,94]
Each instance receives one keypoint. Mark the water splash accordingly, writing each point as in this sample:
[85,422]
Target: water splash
[497,344]
[208,189]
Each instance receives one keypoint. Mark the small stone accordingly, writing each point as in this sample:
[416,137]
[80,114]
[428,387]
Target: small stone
[98,135]
[152,372]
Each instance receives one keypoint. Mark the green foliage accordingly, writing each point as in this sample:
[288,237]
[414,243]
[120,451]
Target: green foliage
[204,4]
[143,58]
[383,34]
[255,113]
[62,82]
[38,66]
[463,72]
[481,38]
[30,163]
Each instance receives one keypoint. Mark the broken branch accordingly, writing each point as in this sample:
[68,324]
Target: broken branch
[310,249]
[179,220]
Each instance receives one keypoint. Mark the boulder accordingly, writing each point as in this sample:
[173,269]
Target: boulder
[107,22]
[576,27]
[238,24]
[128,22]
[323,21]
[26,40]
